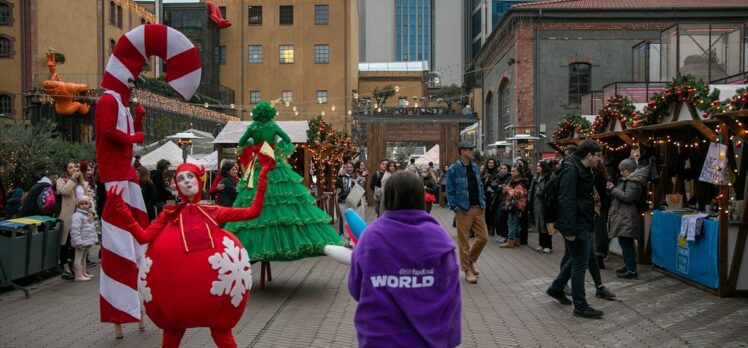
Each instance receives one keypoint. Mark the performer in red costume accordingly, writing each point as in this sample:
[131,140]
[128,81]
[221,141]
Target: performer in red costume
[194,274]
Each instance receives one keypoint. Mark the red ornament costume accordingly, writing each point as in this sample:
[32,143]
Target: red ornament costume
[194,274]
[116,132]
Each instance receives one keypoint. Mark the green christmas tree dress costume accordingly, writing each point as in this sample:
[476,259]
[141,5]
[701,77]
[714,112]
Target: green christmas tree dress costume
[291,226]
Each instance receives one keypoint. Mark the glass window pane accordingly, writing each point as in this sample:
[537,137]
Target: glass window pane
[724,58]
[322,96]
[287,96]
[4,47]
[286,54]
[694,50]
[254,97]
[255,15]
[321,14]
[580,81]
[4,14]
[321,54]
[286,15]
[4,104]
[255,54]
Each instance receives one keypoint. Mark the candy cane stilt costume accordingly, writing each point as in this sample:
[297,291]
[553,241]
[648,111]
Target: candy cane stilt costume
[116,132]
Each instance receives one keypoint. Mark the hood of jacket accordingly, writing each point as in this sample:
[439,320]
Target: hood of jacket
[640,175]
[44,180]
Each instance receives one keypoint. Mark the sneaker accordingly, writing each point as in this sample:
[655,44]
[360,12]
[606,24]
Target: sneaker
[547,250]
[500,239]
[67,276]
[558,296]
[588,312]
[603,292]
[470,277]
[621,270]
[629,275]
[539,249]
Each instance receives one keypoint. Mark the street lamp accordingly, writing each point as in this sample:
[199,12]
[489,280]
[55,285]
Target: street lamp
[184,140]
[524,142]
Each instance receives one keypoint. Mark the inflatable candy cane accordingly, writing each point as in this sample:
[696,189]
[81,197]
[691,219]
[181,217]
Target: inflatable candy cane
[116,133]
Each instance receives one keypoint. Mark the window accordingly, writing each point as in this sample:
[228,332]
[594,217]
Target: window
[4,104]
[254,97]
[286,54]
[286,15]
[402,102]
[255,15]
[579,82]
[119,16]
[321,54]
[4,47]
[255,54]
[321,96]
[489,118]
[142,21]
[287,96]
[112,13]
[4,14]
[220,55]
[321,14]
[222,9]
[112,43]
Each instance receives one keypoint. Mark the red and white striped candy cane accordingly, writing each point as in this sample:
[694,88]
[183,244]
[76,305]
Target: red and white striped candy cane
[121,254]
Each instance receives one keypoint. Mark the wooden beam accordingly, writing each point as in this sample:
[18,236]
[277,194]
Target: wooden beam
[706,131]
[626,139]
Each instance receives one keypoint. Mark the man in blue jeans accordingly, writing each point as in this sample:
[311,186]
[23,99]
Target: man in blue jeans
[576,218]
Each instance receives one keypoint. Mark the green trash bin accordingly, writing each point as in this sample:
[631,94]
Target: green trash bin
[14,238]
[51,228]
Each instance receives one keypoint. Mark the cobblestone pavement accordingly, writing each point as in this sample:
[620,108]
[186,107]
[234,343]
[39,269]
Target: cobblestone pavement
[307,305]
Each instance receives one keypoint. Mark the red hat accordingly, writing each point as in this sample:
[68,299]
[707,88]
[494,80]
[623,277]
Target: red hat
[199,172]
[83,166]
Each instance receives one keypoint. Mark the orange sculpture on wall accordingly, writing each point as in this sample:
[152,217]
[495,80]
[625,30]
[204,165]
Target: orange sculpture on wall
[63,92]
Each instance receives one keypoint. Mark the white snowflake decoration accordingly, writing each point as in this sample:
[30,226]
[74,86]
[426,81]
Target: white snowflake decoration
[145,267]
[234,272]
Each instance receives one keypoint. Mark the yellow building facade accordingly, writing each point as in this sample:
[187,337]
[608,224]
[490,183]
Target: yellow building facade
[302,52]
[83,31]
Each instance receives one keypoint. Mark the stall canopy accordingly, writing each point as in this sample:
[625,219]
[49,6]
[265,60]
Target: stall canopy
[168,151]
[432,155]
[209,161]
[233,131]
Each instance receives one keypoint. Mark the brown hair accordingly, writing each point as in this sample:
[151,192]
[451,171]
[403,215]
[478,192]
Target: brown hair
[404,191]
[143,174]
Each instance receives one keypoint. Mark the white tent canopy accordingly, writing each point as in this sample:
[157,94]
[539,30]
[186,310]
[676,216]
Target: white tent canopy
[209,161]
[168,151]
[432,155]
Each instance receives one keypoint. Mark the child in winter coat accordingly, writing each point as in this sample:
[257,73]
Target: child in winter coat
[515,200]
[82,237]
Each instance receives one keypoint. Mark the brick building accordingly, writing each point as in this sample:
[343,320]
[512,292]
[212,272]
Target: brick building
[543,57]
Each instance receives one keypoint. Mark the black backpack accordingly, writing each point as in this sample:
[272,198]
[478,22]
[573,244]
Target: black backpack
[641,202]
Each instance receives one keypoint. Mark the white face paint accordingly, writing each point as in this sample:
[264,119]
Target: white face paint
[187,182]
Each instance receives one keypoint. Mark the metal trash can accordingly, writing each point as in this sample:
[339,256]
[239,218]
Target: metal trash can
[14,240]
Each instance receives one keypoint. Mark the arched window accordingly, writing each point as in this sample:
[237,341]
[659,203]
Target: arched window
[5,104]
[5,14]
[4,47]
[504,116]
[580,80]
[490,119]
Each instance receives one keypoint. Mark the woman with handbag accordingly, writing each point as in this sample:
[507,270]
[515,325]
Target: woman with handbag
[350,192]
[430,190]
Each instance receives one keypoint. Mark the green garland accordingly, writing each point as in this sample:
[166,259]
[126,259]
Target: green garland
[321,132]
[619,108]
[739,101]
[569,124]
[683,89]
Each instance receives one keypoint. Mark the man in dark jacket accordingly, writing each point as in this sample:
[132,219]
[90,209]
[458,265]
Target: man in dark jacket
[163,193]
[576,220]
[376,184]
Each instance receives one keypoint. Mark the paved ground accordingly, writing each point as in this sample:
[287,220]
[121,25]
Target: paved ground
[307,305]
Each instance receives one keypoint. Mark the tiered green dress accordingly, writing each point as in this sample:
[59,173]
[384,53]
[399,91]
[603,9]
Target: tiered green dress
[291,226]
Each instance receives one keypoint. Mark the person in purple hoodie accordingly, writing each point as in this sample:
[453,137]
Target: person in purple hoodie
[404,274]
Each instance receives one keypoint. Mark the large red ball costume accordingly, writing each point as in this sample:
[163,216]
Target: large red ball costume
[194,274]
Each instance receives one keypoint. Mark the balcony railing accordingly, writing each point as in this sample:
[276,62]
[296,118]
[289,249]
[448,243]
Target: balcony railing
[91,79]
[637,92]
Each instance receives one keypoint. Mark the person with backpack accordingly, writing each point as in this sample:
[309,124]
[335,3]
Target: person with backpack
[30,202]
[70,186]
[575,221]
[515,202]
[628,202]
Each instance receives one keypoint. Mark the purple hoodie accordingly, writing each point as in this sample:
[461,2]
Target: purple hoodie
[405,277]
